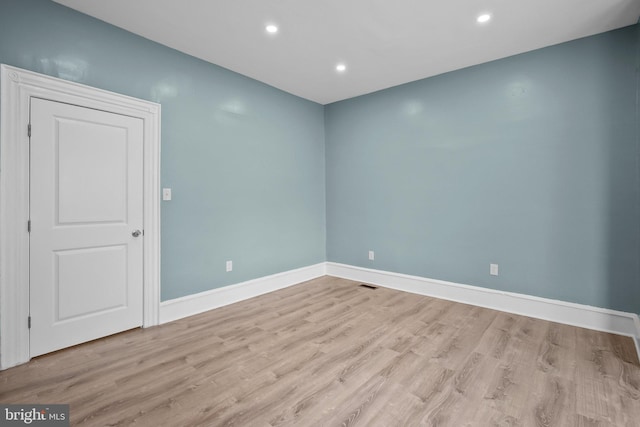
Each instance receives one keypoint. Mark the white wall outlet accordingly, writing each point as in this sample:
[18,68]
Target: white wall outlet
[493,269]
[166,194]
[229,266]
[371,255]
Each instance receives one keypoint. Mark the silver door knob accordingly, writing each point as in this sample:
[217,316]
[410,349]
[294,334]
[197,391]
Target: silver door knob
[136,233]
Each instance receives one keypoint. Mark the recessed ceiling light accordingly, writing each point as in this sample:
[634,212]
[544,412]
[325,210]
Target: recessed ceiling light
[271,29]
[341,68]
[485,17]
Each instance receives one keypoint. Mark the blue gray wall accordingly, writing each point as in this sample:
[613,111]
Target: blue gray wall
[530,162]
[245,161]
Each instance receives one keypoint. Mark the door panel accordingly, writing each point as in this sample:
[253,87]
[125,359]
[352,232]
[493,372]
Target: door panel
[92,172]
[103,267]
[86,199]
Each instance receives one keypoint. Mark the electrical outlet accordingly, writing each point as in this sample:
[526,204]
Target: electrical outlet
[371,255]
[229,266]
[493,269]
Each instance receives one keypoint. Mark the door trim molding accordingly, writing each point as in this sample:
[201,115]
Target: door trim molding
[18,86]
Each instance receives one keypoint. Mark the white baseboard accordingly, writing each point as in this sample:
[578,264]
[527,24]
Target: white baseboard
[584,316]
[198,303]
[637,337]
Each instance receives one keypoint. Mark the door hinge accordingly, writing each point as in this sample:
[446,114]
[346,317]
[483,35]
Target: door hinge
[29,130]
[29,226]
[29,322]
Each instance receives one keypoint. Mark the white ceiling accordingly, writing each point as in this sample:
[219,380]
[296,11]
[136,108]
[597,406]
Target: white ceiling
[384,43]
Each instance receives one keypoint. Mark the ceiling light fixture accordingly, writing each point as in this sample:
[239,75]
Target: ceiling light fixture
[341,68]
[485,17]
[271,29]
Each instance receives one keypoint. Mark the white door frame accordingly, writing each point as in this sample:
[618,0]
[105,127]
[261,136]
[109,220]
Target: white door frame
[18,86]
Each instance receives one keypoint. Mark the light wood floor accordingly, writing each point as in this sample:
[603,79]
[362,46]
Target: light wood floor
[329,352]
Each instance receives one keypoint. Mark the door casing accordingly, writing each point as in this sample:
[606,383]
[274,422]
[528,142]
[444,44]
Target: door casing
[18,86]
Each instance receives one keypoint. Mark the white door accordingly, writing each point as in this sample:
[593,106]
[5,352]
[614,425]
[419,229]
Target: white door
[86,200]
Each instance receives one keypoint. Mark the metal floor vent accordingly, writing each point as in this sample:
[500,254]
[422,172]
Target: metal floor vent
[368,286]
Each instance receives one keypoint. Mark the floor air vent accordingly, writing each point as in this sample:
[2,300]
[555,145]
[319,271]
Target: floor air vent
[368,286]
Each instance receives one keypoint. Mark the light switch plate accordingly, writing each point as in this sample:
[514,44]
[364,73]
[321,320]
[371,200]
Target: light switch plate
[493,269]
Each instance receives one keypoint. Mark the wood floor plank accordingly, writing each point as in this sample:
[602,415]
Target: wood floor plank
[329,352]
